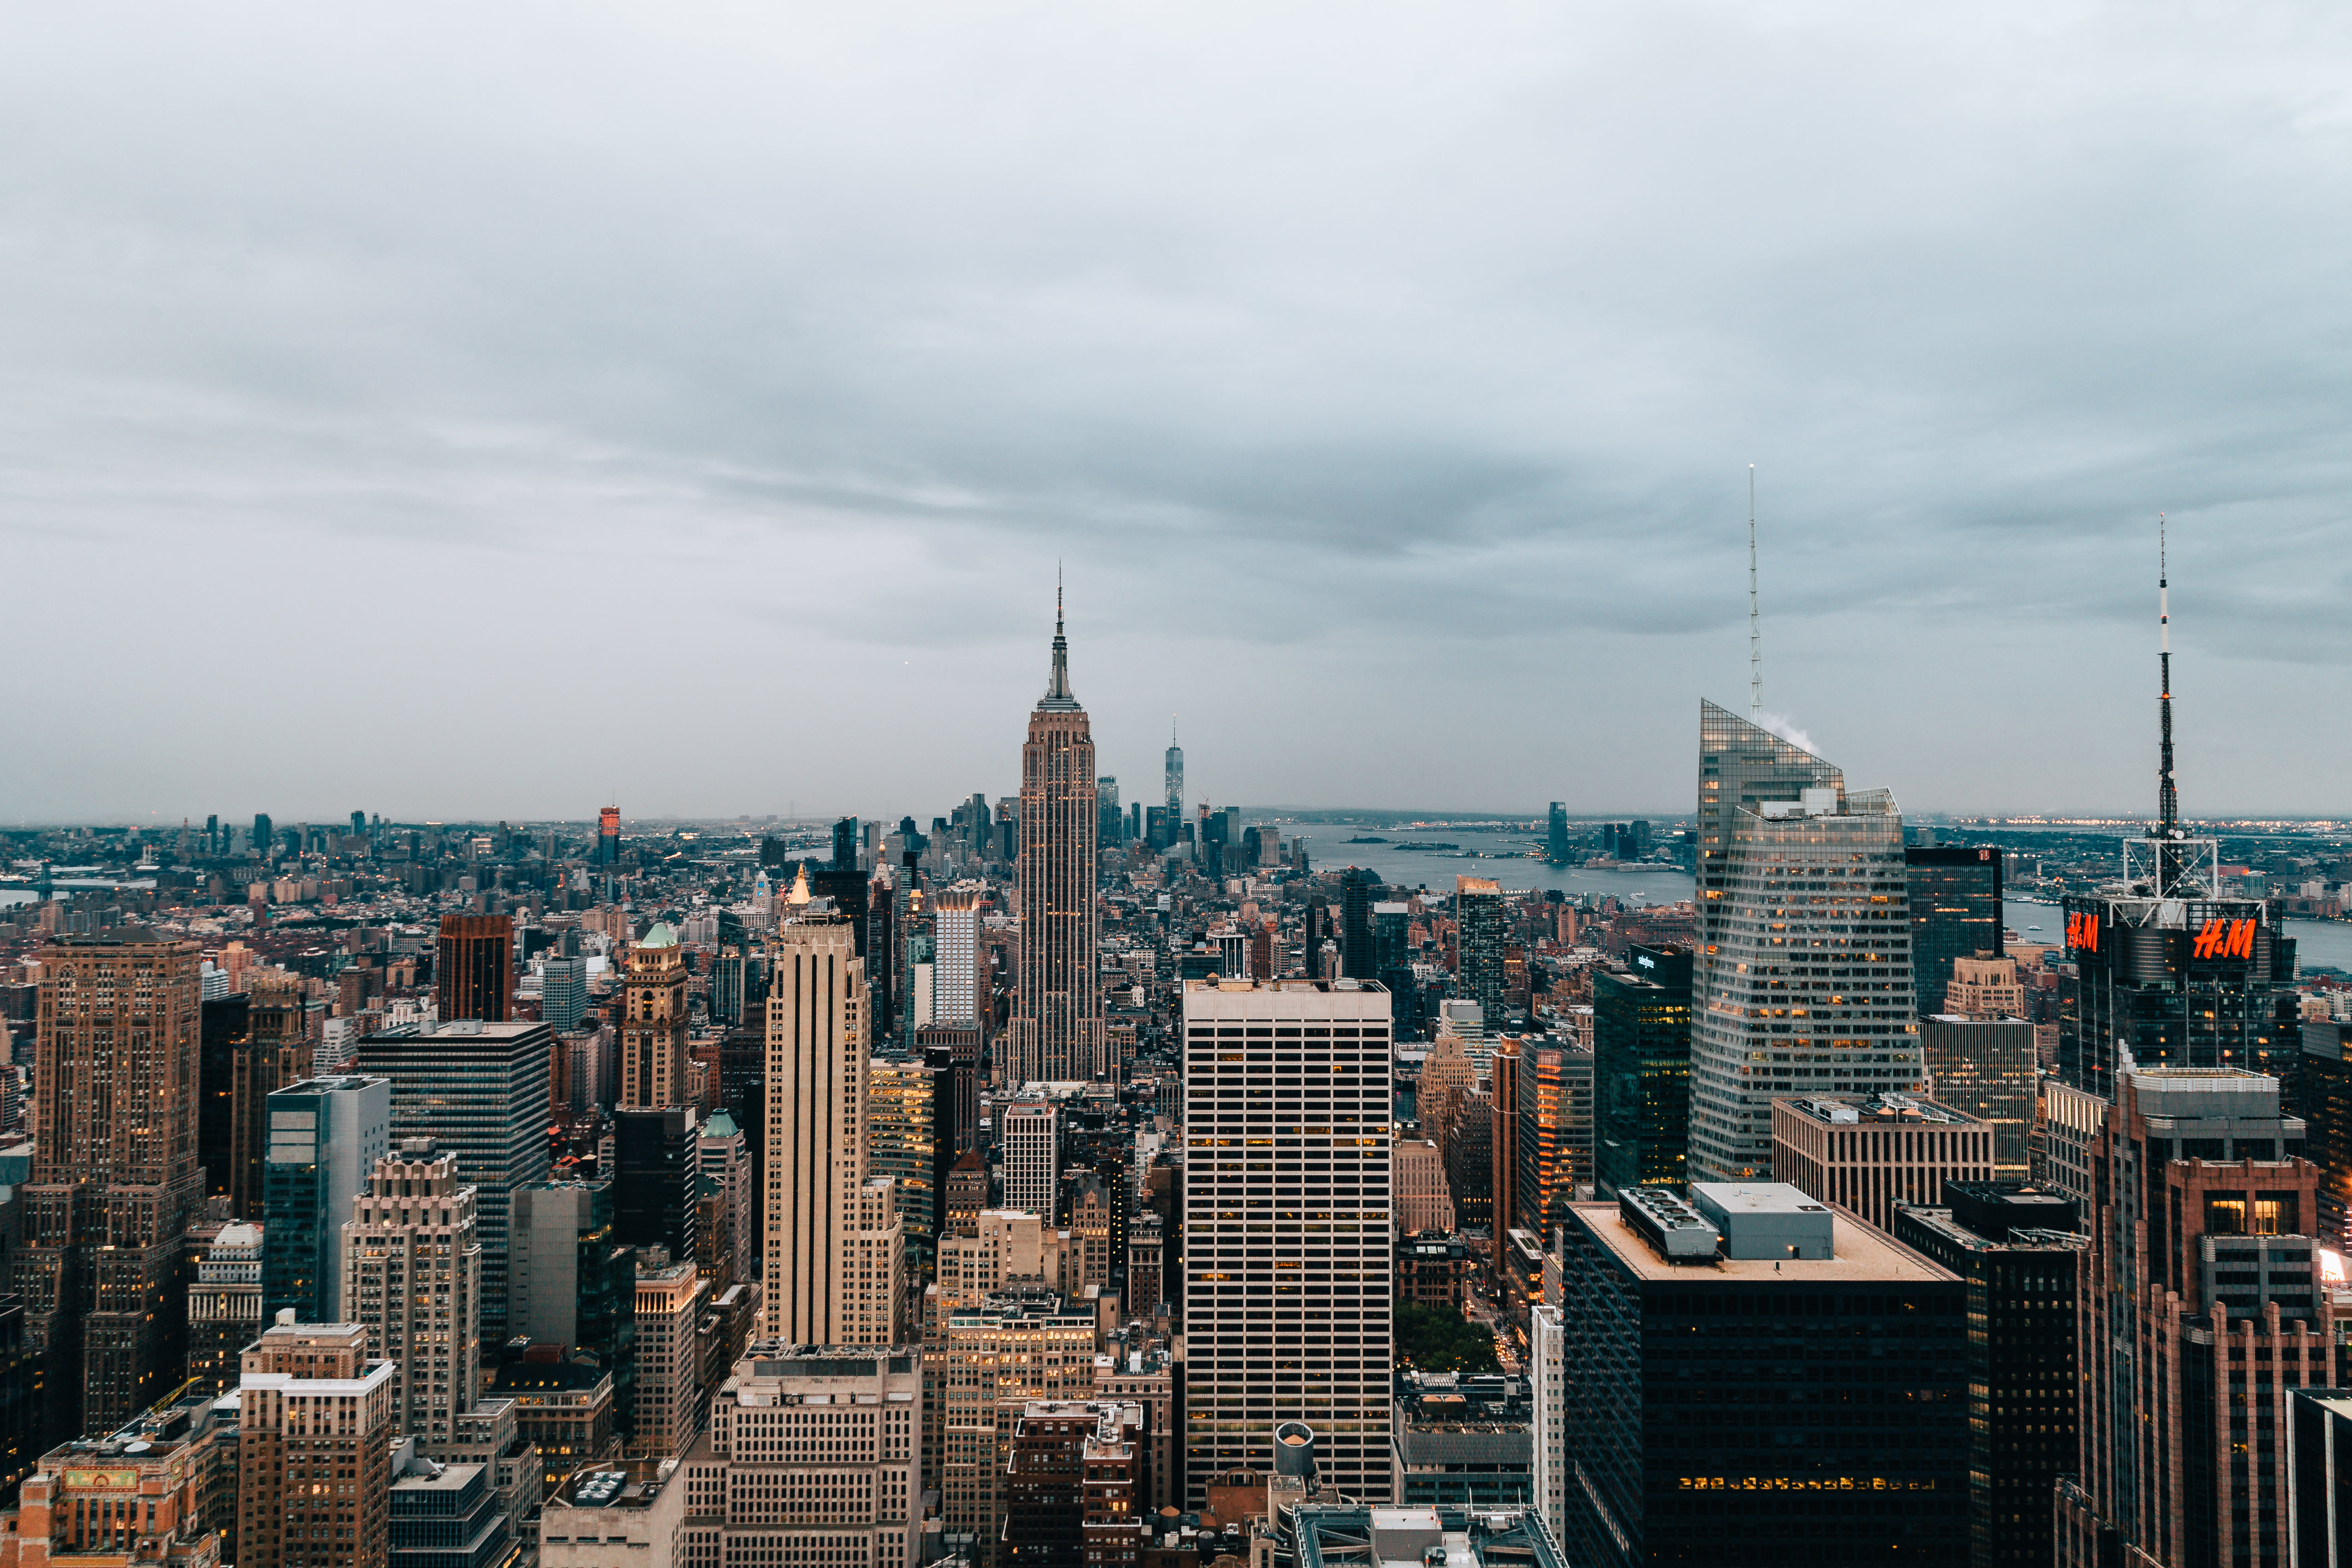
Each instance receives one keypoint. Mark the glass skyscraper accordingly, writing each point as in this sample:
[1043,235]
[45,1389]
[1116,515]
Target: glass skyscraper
[1478,919]
[1954,912]
[1804,979]
[1640,1071]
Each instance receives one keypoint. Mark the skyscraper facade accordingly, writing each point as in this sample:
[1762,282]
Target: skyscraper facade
[608,836]
[1174,800]
[1289,1249]
[1954,912]
[1032,1137]
[481,1092]
[473,968]
[1556,836]
[114,1178]
[1553,1145]
[955,957]
[1805,964]
[312,1401]
[325,1138]
[1478,914]
[2201,1308]
[1057,1023]
[1358,889]
[1640,1071]
[1106,810]
[653,1022]
[412,1278]
[829,1245]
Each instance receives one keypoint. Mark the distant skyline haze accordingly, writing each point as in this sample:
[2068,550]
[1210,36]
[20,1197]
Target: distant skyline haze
[472,415]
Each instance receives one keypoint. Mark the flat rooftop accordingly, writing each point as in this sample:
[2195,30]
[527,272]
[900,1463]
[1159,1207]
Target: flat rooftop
[1864,1253]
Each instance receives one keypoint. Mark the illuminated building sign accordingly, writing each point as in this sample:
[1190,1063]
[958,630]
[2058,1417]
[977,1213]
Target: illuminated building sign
[1801,1484]
[2082,932]
[2225,939]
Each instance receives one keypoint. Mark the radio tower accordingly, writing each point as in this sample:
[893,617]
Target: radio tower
[1755,622]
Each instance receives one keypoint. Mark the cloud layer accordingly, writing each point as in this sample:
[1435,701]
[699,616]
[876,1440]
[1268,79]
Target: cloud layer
[448,414]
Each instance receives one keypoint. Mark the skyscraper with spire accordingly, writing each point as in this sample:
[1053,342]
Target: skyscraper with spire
[1057,1022]
[2168,972]
[1175,775]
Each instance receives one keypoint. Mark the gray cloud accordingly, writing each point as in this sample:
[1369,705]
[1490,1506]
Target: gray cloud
[425,397]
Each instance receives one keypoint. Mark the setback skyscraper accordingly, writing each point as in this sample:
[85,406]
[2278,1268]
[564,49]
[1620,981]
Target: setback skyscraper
[1804,960]
[1058,1024]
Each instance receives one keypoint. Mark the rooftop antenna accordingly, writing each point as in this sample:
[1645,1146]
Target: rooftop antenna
[1755,622]
[2167,797]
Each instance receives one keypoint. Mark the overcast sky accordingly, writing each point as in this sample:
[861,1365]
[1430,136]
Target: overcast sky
[493,411]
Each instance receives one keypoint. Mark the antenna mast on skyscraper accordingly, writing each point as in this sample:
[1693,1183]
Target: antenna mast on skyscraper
[2167,797]
[1755,621]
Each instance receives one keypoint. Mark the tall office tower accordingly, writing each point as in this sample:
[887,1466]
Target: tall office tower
[1057,1022]
[264,836]
[2170,972]
[1556,836]
[1871,1154]
[326,1135]
[1174,799]
[2016,1246]
[818,1239]
[2200,1270]
[1554,1143]
[1106,809]
[832,1432]
[499,1072]
[473,968]
[315,1412]
[1358,958]
[955,957]
[902,1143]
[1392,964]
[653,1021]
[657,1175]
[1802,989]
[2323,1093]
[1502,1108]
[224,1029]
[224,1308]
[670,1297]
[1987,1067]
[1955,912]
[845,844]
[573,1279]
[608,836]
[412,1276]
[1288,1242]
[1548,1394]
[276,1051]
[1641,1070]
[724,1229]
[1031,1136]
[2200,1266]
[564,987]
[988,1362]
[114,1178]
[1753,1297]
[2072,1123]
[1478,914]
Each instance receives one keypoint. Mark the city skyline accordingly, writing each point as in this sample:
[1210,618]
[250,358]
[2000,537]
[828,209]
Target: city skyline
[1466,429]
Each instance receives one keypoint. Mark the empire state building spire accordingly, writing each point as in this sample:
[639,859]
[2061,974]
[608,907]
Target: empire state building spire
[1058,698]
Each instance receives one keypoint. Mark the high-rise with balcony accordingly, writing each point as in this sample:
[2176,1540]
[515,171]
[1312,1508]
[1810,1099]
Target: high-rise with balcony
[1804,972]
[1289,1247]
[1058,1029]
[653,1022]
[114,1177]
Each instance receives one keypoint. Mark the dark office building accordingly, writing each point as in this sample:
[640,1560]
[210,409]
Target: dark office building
[2320,1439]
[2321,1090]
[845,844]
[2181,982]
[1641,1070]
[1315,930]
[1479,918]
[1392,963]
[473,968]
[1955,912]
[479,1091]
[656,1179]
[851,891]
[1791,1389]
[1358,888]
[223,1029]
[2016,1246]
[20,1399]
[1556,836]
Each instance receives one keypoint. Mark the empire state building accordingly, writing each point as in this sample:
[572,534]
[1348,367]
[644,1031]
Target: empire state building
[1057,1022]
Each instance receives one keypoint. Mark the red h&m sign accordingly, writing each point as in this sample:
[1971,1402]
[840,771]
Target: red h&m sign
[2225,939]
[2082,932]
